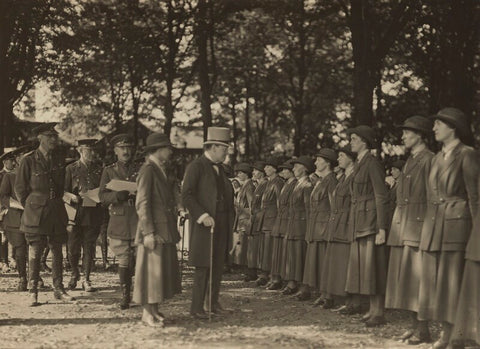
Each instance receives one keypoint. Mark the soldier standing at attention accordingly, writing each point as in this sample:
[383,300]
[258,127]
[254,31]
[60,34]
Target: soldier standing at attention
[39,187]
[81,176]
[122,225]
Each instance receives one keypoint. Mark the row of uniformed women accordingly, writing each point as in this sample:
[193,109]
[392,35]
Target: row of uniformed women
[330,235]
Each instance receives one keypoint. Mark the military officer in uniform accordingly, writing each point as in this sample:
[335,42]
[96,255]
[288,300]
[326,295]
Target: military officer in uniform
[9,163]
[81,176]
[40,186]
[123,216]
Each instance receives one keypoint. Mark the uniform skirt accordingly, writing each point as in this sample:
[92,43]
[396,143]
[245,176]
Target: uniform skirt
[253,250]
[467,323]
[367,267]
[294,260]
[335,265]
[440,283]
[267,250]
[314,258]
[157,275]
[278,263]
[403,282]
[240,249]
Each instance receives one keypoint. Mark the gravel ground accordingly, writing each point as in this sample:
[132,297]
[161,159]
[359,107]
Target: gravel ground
[260,319]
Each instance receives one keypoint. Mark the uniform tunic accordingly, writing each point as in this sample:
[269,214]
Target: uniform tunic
[452,193]
[295,245]
[269,211]
[404,266]
[316,235]
[11,221]
[340,236]
[254,235]
[280,227]
[241,225]
[367,266]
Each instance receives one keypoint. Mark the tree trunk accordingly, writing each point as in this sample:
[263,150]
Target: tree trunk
[235,132]
[248,131]
[170,73]
[203,66]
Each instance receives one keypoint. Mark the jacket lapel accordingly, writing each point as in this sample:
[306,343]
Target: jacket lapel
[452,158]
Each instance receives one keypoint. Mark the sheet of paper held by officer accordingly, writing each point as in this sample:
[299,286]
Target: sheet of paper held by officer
[119,185]
[90,198]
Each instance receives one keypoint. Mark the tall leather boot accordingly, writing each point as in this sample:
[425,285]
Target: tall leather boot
[125,285]
[21,261]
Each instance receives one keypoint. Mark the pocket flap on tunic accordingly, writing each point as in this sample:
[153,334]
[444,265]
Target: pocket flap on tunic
[457,210]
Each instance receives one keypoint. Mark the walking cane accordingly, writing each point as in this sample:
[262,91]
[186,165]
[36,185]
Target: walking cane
[211,276]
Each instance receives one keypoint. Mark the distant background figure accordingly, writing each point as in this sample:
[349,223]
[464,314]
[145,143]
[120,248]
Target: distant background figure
[207,194]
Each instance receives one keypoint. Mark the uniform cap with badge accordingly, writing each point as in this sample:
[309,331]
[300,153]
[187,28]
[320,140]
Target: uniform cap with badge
[46,129]
[122,140]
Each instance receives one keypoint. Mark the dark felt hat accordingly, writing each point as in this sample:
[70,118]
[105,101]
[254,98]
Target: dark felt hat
[287,165]
[306,161]
[417,123]
[348,150]
[157,140]
[259,165]
[366,133]
[47,128]
[243,167]
[458,120]
[122,140]
[274,162]
[328,154]
[87,142]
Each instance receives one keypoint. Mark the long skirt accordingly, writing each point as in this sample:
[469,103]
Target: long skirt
[278,263]
[266,264]
[294,260]
[440,285]
[252,251]
[335,266]
[240,249]
[403,283]
[367,267]
[467,323]
[157,276]
[314,258]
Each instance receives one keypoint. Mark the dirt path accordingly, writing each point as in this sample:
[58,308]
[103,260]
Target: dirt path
[261,319]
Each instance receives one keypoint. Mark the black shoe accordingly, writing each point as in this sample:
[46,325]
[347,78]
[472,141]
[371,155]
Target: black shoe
[328,304]
[274,286]
[60,294]
[34,299]
[219,310]
[87,286]
[289,291]
[303,296]
[199,316]
[72,284]
[421,338]
[125,301]
[350,310]
[375,321]
[320,301]
[261,282]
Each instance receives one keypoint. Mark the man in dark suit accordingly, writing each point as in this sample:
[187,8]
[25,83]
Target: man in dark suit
[208,196]
[39,186]
[81,176]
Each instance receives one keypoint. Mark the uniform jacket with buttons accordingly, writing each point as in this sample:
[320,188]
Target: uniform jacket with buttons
[122,224]
[369,197]
[12,219]
[243,202]
[338,225]
[39,186]
[299,206]
[255,210]
[80,178]
[452,194]
[319,212]
[407,221]
[156,205]
[280,227]
[473,246]
[269,205]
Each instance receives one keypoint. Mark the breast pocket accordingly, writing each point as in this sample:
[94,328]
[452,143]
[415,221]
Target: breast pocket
[34,209]
[117,210]
[457,222]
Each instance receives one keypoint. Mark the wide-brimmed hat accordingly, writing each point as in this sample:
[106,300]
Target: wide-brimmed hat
[366,133]
[47,128]
[157,140]
[24,149]
[328,154]
[287,165]
[306,161]
[122,140]
[458,120]
[243,167]
[348,150]
[218,135]
[8,155]
[87,142]
[417,123]
[259,165]
[273,161]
